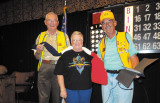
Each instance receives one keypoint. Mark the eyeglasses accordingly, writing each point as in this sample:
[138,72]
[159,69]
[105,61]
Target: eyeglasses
[74,40]
[49,20]
[109,21]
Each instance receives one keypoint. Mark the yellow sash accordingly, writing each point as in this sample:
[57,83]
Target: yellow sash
[102,47]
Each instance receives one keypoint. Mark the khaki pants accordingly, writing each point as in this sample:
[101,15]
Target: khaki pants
[48,84]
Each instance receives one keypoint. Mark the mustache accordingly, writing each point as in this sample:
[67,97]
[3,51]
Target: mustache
[107,27]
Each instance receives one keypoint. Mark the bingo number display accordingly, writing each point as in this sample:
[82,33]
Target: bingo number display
[146,27]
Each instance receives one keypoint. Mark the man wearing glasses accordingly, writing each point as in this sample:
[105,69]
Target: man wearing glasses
[117,51]
[47,81]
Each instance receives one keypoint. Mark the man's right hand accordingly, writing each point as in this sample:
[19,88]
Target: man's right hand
[40,48]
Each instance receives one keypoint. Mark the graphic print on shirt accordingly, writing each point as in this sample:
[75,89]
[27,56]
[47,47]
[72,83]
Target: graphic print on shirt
[79,63]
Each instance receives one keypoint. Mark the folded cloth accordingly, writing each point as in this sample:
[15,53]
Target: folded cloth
[98,73]
[52,50]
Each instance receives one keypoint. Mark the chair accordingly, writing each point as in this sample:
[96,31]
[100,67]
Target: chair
[24,82]
[3,70]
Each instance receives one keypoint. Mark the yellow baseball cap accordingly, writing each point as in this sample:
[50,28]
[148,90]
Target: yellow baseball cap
[106,14]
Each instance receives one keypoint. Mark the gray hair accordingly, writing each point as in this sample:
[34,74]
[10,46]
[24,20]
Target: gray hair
[51,13]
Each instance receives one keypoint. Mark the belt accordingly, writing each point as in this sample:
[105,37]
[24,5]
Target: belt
[114,71]
[49,61]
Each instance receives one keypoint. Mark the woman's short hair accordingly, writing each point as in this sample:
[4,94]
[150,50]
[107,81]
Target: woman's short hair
[76,33]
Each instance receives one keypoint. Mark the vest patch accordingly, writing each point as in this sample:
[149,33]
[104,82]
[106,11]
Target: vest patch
[103,49]
[59,44]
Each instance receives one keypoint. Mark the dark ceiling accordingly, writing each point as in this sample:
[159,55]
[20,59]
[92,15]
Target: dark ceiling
[3,1]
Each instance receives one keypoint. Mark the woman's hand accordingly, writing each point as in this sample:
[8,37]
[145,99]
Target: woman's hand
[63,93]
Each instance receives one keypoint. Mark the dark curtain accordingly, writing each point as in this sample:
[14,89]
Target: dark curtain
[16,43]
[147,89]
[78,22]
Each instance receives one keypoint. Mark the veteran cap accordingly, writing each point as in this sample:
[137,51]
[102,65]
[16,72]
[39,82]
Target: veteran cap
[106,14]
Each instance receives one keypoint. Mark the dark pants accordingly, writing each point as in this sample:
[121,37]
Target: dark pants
[48,84]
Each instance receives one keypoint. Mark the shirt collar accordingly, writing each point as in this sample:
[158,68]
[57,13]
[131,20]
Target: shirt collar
[57,33]
[113,37]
